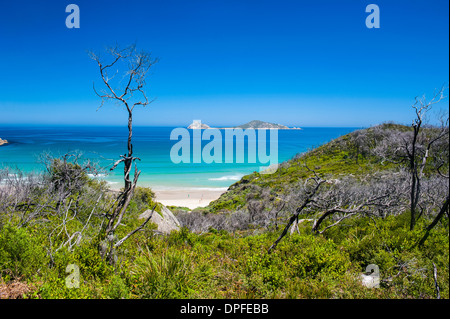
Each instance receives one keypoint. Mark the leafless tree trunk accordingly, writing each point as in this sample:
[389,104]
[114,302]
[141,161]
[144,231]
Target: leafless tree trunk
[414,148]
[294,218]
[443,209]
[130,95]
[417,164]
[346,213]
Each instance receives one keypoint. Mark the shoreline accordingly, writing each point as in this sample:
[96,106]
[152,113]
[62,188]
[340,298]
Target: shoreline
[190,197]
[183,197]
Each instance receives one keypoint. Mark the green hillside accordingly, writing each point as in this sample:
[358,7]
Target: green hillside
[348,154]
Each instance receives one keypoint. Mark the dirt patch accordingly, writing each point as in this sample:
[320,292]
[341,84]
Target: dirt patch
[14,290]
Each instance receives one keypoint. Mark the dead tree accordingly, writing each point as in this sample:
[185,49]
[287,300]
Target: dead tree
[371,195]
[413,148]
[345,213]
[128,92]
[310,194]
[417,163]
[444,208]
[67,175]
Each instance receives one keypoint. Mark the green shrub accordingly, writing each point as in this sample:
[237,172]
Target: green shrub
[54,287]
[116,288]
[167,275]
[86,257]
[20,253]
[181,237]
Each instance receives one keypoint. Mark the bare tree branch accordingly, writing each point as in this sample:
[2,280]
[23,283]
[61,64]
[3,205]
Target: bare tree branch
[318,181]
[120,242]
[137,65]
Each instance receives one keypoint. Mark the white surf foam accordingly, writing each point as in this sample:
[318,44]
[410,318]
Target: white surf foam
[227,178]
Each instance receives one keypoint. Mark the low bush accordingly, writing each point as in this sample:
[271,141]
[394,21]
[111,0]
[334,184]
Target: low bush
[21,254]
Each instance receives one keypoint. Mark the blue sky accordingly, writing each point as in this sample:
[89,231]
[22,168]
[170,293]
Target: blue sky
[302,63]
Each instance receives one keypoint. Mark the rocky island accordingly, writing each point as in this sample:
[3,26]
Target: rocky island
[196,125]
[260,125]
[3,142]
[255,124]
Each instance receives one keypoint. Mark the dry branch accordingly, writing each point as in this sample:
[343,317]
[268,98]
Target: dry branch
[294,217]
[131,95]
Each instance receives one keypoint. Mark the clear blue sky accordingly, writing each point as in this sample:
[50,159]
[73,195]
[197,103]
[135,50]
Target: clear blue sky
[302,63]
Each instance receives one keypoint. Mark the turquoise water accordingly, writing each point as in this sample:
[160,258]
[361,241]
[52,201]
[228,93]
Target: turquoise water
[152,145]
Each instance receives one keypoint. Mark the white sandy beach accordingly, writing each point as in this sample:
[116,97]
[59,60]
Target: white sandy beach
[188,197]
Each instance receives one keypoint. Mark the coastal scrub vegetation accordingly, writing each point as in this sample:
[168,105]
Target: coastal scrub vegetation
[309,230]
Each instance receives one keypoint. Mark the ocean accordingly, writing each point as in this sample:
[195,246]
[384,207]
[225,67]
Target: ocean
[104,144]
